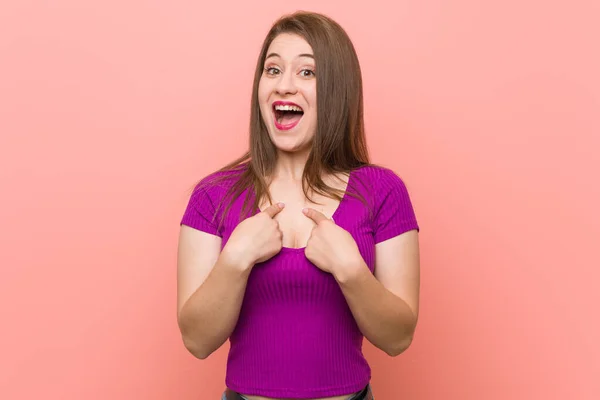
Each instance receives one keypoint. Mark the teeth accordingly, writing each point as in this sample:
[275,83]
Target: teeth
[280,107]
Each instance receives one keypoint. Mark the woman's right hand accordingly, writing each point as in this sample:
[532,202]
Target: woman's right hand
[256,239]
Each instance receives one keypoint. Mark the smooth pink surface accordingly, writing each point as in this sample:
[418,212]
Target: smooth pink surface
[110,111]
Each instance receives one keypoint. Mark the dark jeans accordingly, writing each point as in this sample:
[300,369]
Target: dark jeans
[365,394]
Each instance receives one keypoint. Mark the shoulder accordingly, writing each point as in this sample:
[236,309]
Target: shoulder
[218,182]
[204,210]
[215,186]
[376,171]
[378,180]
[393,209]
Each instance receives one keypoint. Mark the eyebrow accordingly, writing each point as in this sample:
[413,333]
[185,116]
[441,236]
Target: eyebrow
[299,55]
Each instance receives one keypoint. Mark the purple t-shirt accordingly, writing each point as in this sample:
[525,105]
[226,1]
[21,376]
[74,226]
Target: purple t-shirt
[296,336]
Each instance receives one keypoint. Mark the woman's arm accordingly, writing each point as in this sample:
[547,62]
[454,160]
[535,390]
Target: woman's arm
[210,290]
[386,305]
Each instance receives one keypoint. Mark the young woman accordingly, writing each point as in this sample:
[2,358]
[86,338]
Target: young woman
[300,248]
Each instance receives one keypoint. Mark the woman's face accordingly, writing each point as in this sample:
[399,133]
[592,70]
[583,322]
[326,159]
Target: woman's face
[287,93]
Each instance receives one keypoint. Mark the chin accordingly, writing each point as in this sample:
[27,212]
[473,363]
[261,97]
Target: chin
[290,144]
[287,147]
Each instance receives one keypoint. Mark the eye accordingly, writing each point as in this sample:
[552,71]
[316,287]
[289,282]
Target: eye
[272,71]
[307,73]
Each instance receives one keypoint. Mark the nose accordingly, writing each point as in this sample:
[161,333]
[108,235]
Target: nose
[286,84]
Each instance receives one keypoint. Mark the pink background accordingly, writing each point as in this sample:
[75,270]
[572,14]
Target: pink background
[109,111]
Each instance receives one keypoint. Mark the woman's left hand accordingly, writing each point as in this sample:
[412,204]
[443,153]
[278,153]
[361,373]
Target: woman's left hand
[331,248]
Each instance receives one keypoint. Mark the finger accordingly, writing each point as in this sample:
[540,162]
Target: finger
[273,209]
[315,215]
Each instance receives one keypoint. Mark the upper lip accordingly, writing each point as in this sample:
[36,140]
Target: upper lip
[285,103]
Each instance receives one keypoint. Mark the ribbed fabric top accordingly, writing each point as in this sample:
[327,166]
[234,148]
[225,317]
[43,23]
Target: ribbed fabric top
[296,336]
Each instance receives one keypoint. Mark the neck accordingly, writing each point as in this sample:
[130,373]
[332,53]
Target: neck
[290,166]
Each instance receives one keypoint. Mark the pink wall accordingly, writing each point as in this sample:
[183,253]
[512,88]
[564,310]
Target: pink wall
[109,111]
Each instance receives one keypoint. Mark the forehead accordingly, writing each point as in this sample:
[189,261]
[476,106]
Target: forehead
[289,46]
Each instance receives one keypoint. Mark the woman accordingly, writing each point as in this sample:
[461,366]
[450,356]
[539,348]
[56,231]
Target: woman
[296,283]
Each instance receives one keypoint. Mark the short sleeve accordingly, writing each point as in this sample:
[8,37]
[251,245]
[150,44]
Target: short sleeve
[394,213]
[200,212]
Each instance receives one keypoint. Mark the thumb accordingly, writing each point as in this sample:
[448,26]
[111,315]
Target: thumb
[315,215]
[273,209]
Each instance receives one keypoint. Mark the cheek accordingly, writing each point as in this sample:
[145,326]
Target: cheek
[311,93]
[263,99]
[311,97]
[263,91]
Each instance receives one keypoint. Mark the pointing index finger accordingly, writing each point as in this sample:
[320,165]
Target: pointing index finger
[274,209]
[315,215]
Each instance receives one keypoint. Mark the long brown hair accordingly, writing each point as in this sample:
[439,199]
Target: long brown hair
[339,144]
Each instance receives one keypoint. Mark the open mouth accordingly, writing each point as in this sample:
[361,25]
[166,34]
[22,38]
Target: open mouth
[287,115]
